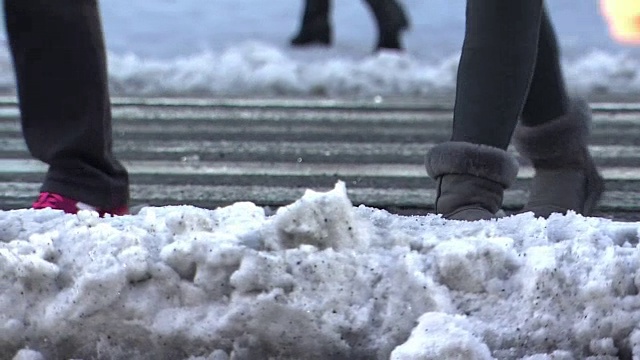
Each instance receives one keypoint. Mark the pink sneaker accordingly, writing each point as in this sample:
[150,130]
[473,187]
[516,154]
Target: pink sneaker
[70,206]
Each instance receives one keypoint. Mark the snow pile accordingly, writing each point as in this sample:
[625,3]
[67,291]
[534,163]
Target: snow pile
[320,279]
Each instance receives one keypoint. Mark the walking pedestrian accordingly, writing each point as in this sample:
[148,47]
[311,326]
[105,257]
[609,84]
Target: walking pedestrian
[59,59]
[316,26]
[509,69]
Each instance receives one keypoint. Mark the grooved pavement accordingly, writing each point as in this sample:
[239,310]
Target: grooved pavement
[214,152]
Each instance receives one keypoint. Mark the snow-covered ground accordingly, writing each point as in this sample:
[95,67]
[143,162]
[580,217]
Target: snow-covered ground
[319,279]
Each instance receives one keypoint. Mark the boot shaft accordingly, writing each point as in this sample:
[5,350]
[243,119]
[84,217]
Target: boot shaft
[566,177]
[468,197]
[471,179]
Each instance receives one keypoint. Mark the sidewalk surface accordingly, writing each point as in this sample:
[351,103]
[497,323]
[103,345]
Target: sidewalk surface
[211,153]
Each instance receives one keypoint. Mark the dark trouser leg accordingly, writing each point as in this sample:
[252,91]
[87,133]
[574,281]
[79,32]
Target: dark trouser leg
[495,70]
[60,64]
[391,20]
[315,28]
[548,97]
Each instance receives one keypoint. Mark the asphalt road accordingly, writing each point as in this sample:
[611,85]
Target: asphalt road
[212,153]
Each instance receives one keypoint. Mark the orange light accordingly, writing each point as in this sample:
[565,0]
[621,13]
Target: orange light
[623,17]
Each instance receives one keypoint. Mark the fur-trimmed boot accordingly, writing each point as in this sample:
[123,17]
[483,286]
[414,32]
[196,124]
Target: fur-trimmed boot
[471,179]
[565,177]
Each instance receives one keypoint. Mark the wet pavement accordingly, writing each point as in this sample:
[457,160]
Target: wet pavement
[214,152]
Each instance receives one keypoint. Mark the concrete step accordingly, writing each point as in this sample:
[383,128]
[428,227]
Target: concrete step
[213,152]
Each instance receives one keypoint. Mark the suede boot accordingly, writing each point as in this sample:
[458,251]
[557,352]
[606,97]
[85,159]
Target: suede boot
[315,28]
[471,179]
[391,20]
[565,177]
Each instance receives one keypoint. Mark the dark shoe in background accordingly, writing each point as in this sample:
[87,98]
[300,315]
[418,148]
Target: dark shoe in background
[391,20]
[315,28]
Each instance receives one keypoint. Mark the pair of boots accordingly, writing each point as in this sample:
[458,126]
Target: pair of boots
[316,28]
[472,178]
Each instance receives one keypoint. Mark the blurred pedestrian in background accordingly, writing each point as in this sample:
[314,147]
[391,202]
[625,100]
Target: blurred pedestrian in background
[510,69]
[316,28]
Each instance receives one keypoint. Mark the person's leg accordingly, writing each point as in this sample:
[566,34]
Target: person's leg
[315,28]
[60,65]
[547,98]
[553,135]
[391,20]
[494,74]
[496,66]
